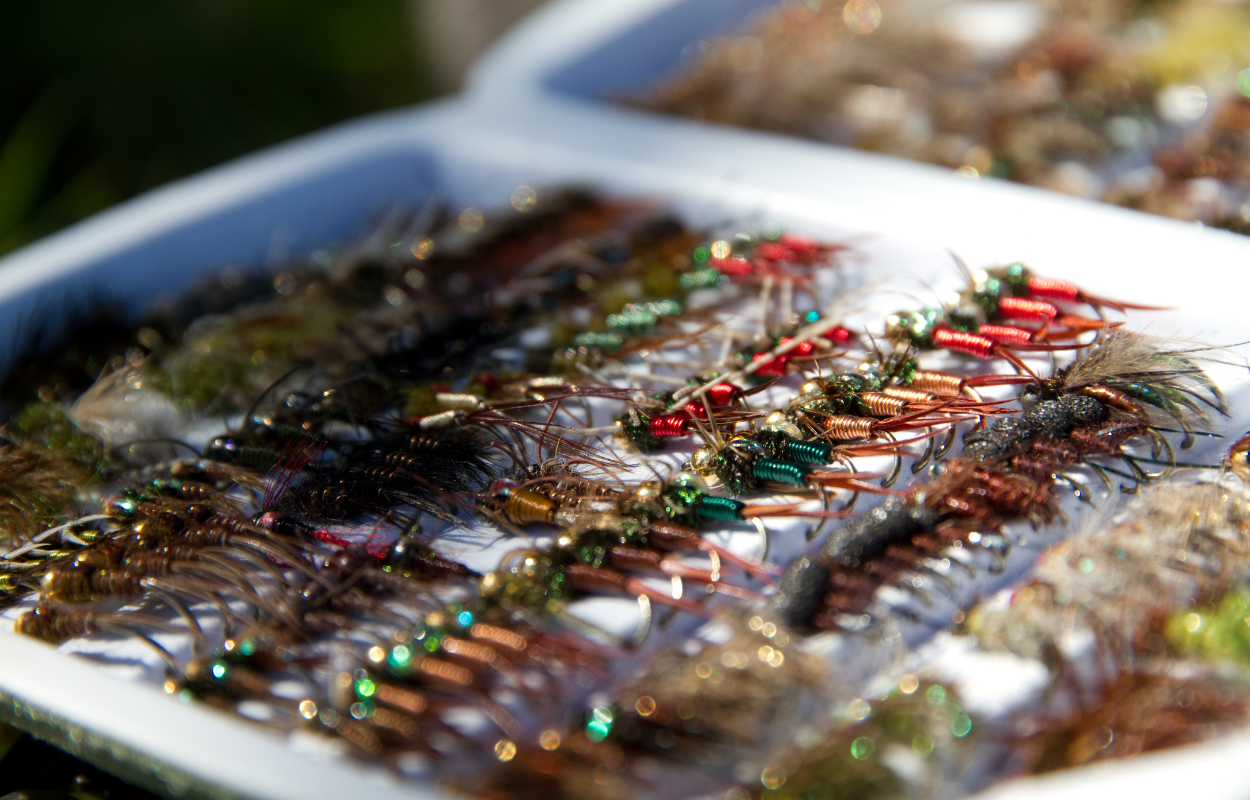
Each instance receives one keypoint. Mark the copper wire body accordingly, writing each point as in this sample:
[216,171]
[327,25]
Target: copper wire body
[204,536]
[497,635]
[576,497]
[406,699]
[446,671]
[71,584]
[56,626]
[938,383]
[396,722]
[1114,398]
[405,461]
[522,506]
[910,395]
[881,404]
[196,491]
[846,427]
[472,651]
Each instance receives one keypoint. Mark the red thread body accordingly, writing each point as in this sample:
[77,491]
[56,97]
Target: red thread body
[802,349]
[772,367]
[775,366]
[763,266]
[1049,289]
[1005,334]
[776,252]
[967,343]
[671,426]
[838,335]
[1025,309]
[723,394]
[695,408]
[736,267]
[801,244]
[325,537]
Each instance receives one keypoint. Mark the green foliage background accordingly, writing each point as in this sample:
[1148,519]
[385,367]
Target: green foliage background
[102,100]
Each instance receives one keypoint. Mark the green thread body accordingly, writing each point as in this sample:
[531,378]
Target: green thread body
[608,342]
[640,318]
[787,472]
[810,452]
[721,509]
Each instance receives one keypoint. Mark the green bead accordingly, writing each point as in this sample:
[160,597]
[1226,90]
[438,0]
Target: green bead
[915,327]
[636,428]
[985,295]
[684,496]
[734,472]
[1222,632]
[774,443]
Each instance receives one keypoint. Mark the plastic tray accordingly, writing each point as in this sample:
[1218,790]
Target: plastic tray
[279,204]
[590,50]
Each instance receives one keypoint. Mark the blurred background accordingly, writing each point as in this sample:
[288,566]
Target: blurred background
[102,101]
